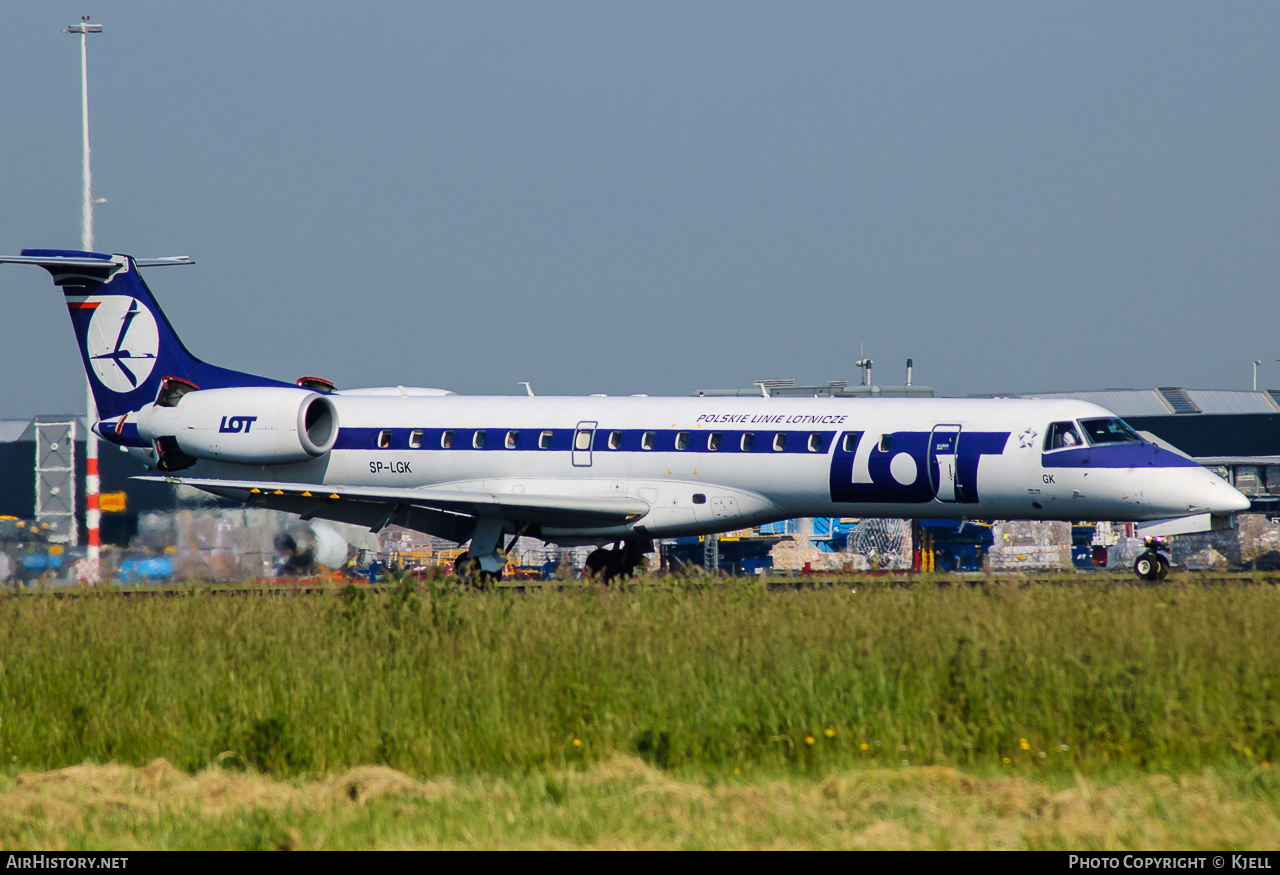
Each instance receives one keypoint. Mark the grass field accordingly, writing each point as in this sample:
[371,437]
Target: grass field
[623,802]
[768,717]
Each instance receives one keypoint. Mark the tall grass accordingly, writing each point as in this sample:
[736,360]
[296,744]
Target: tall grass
[439,680]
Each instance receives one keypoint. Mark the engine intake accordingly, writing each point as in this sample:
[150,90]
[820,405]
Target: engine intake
[256,426]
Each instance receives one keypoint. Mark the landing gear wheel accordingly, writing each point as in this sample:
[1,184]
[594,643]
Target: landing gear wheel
[604,565]
[467,569]
[1151,566]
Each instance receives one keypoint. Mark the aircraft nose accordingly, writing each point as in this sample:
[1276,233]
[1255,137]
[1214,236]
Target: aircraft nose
[1222,498]
[1233,501]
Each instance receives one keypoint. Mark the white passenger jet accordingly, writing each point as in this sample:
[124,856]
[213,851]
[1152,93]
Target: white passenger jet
[613,472]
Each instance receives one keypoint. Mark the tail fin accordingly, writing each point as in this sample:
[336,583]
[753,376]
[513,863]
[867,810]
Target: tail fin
[127,344]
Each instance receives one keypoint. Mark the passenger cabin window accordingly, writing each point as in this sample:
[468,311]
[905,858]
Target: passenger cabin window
[1062,436]
[615,440]
[544,441]
[849,443]
[582,440]
[1109,431]
[780,442]
[713,441]
[699,498]
[415,439]
[649,440]
[513,440]
[815,443]
[478,439]
[446,440]
[384,439]
[886,443]
[682,440]
[748,442]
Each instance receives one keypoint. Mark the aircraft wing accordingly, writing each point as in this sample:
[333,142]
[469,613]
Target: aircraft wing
[446,512]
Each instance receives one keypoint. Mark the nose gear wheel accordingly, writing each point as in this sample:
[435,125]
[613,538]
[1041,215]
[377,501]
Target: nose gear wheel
[1151,566]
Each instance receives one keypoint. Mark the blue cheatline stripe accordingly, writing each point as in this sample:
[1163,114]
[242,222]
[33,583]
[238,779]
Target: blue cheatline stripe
[1143,455]
[631,440]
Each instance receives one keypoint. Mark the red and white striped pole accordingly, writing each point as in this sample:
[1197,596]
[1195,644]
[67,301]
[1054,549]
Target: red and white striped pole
[92,513]
[92,488]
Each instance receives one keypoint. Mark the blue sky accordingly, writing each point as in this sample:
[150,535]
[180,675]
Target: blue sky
[660,197]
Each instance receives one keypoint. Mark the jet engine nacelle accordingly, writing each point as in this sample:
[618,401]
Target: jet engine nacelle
[256,426]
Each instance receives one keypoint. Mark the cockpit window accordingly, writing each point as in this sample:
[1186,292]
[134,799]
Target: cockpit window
[1062,436]
[1109,431]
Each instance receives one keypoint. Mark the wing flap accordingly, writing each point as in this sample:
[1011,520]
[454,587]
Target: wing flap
[558,511]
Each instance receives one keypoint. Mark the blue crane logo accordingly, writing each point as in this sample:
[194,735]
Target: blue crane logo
[122,343]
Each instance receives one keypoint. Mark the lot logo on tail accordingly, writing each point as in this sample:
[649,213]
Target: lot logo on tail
[122,342]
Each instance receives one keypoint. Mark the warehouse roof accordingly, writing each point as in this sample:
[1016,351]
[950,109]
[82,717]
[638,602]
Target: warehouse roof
[21,429]
[1174,399]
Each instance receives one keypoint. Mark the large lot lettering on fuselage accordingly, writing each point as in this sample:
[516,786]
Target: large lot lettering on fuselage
[885,472]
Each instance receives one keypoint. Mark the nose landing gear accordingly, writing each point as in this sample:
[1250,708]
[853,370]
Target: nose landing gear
[1153,564]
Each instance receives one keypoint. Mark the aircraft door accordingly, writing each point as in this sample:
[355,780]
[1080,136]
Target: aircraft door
[583,436]
[943,444]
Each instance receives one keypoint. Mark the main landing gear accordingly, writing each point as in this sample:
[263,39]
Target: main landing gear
[484,560]
[1152,564]
[467,568]
[616,563]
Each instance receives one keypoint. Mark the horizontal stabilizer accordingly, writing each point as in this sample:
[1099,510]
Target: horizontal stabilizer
[56,261]
[164,261]
[56,258]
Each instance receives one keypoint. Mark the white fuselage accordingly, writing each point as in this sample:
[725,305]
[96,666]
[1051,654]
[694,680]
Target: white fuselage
[687,459]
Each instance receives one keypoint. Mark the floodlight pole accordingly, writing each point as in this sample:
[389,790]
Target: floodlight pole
[1255,375]
[92,484]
